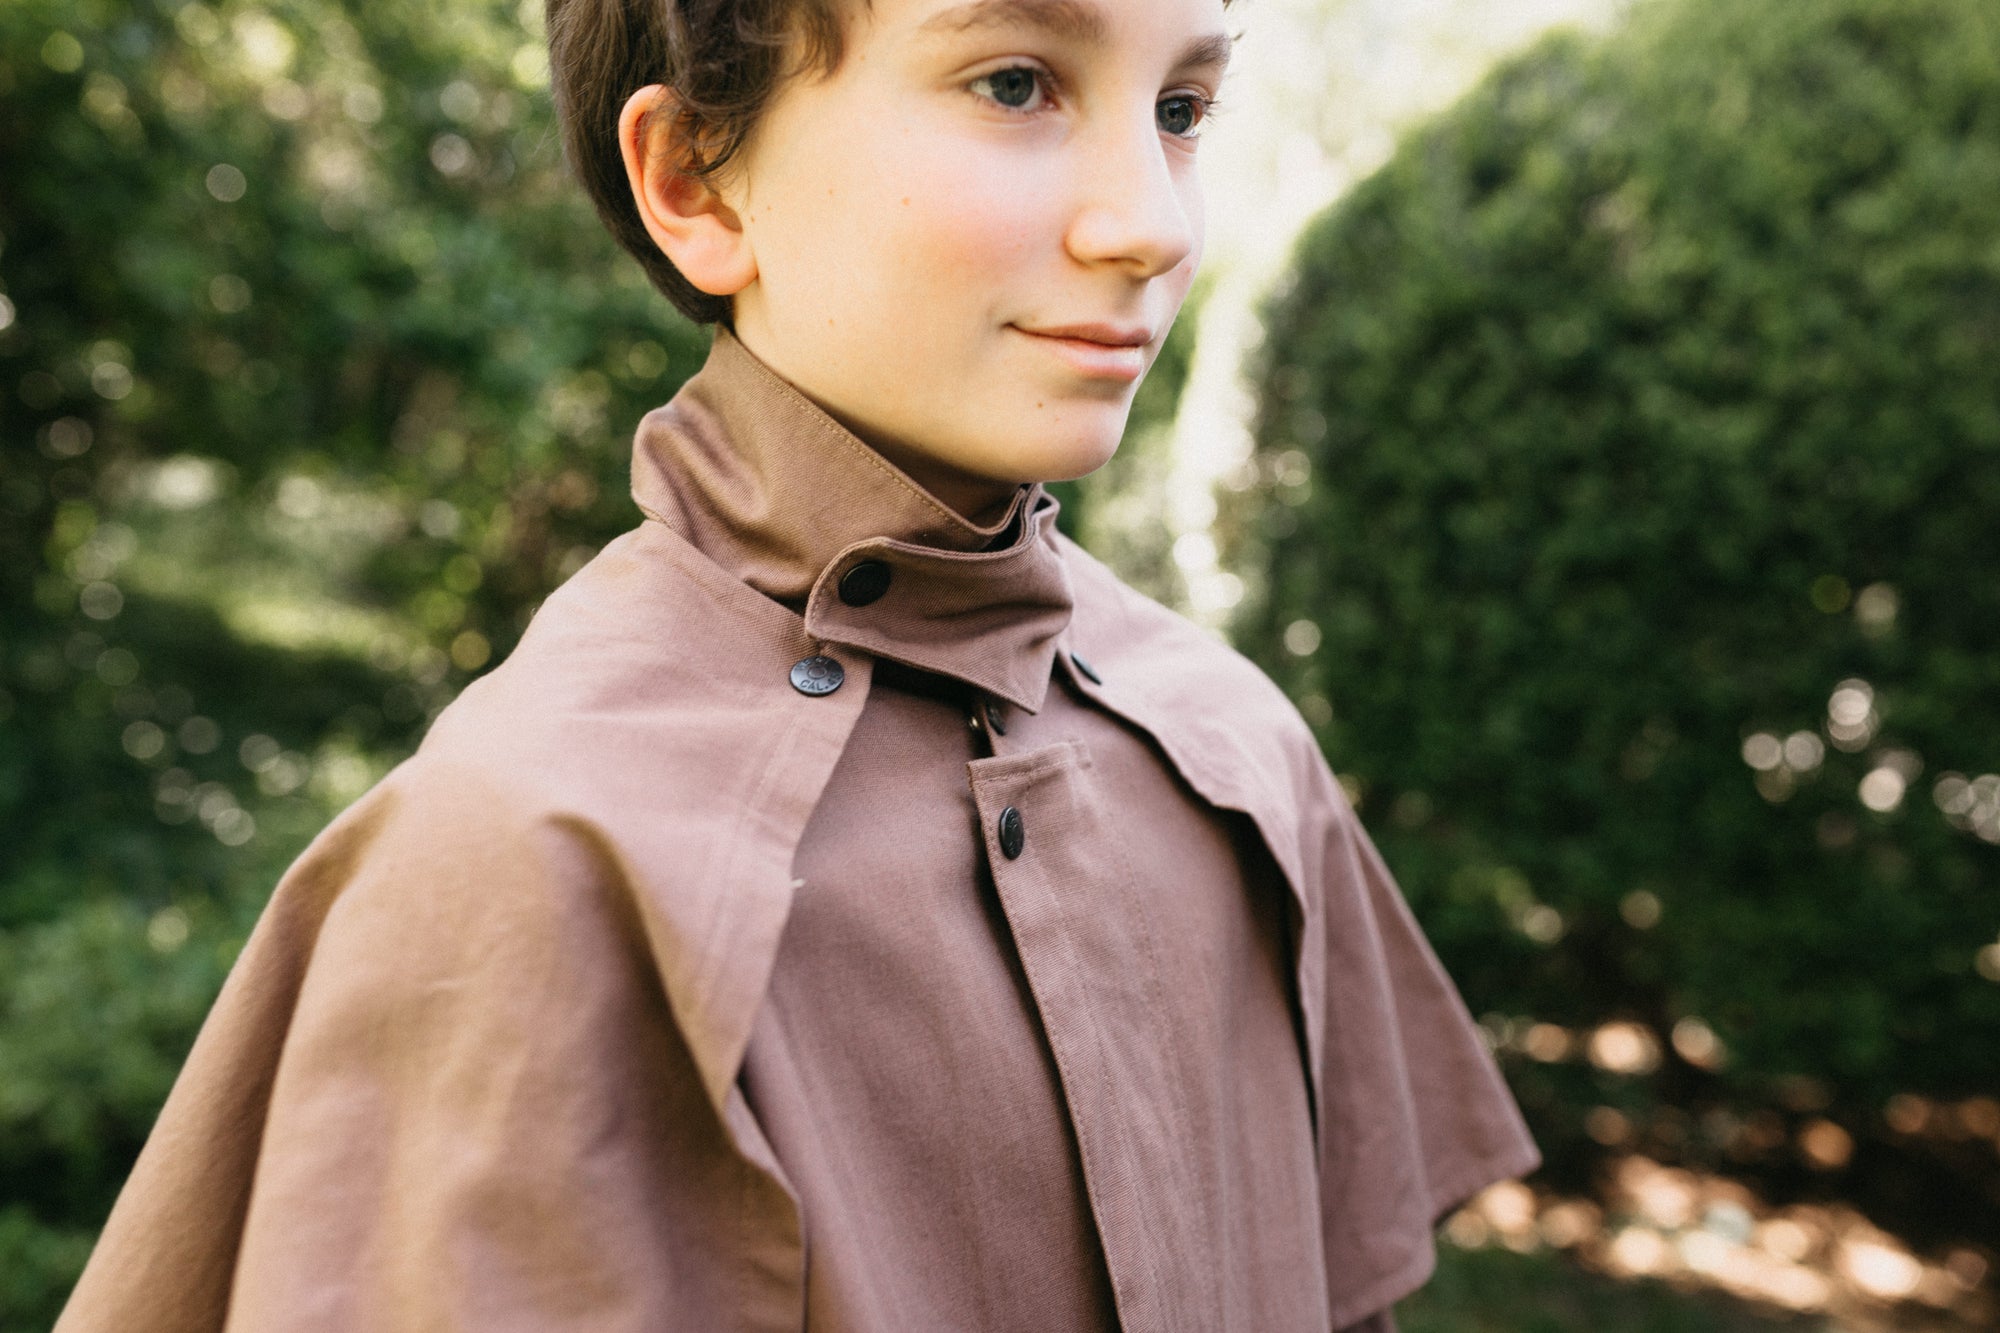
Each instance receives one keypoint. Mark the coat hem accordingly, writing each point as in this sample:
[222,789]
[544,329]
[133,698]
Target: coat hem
[1410,1275]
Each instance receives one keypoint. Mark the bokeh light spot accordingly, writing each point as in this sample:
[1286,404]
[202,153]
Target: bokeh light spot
[1641,909]
[1624,1048]
[227,183]
[1875,607]
[228,293]
[62,53]
[198,735]
[100,600]
[1804,751]
[143,740]
[451,154]
[167,930]
[1882,789]
[1825,1145]
[1695,1042]
[1763,751]
[258,752]
[470,650]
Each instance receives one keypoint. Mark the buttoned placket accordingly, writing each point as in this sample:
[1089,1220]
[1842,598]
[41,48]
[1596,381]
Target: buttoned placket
[1064,886]
[1064,883]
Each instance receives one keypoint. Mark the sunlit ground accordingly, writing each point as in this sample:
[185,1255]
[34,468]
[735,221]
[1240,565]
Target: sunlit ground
[1495,1290]
[1667,1235]
[1671,1249]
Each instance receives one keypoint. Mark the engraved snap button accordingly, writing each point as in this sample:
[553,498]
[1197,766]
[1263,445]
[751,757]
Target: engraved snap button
[1087,669]
[994,718]
[864,583]
[1012,834]
[817,675]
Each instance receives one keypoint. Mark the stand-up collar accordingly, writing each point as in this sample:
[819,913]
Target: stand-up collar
[770,487]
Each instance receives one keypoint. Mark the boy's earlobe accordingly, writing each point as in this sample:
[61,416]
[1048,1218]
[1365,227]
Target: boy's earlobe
[691,223]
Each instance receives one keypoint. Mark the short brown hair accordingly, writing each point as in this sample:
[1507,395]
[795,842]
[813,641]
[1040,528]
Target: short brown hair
[722,60]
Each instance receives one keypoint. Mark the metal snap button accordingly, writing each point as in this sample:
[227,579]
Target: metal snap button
[864,583]
[1012,835]
[994,718]
[1087,669]
[817,675]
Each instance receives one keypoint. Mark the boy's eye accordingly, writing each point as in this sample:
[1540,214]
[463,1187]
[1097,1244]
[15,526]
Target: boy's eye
[1012,87]
[1183,115]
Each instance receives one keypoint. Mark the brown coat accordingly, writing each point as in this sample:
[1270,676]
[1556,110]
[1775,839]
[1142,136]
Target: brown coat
[964,943]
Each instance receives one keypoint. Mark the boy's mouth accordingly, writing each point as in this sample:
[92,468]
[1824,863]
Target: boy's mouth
[1107,351]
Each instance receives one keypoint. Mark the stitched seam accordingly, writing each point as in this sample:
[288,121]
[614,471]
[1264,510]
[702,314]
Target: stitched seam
[1033,764]
[1090,1137]
[1100,1064]
[1154,995]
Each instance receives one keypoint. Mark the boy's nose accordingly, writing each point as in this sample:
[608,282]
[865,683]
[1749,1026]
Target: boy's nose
[1131,210]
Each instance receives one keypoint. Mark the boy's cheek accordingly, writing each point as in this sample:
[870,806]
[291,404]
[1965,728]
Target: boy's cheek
[954,192]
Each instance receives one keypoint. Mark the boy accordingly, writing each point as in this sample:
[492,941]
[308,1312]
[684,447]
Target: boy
[850,907]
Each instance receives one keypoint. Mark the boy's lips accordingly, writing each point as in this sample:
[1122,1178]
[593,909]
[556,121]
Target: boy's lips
[1108,351]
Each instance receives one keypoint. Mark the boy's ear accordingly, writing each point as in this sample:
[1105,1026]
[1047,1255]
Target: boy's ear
[690,222]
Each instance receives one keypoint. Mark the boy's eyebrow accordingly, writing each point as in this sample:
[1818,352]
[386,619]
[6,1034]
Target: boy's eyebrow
[1080,22]
[1210,52]
[1074,20]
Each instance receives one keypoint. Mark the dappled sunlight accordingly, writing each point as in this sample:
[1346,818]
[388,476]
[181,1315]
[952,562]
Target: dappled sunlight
[1699,1231]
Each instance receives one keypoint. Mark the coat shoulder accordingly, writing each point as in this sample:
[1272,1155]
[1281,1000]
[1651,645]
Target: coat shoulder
[539,789]
[639,655]
[1190,677]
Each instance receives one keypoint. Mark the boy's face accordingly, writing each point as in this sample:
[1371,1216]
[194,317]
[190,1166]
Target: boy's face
[976,178]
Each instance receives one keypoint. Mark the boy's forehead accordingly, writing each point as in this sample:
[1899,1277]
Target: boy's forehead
[1085,23]
[1081,21]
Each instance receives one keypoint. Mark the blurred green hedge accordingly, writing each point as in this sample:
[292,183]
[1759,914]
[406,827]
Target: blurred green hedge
[316,373]
[1624,515]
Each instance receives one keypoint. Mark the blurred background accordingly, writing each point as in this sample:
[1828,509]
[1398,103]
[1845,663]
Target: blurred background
[1589,412]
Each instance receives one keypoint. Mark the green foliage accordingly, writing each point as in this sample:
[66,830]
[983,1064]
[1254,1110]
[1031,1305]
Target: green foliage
[1640,423]
[38,1263]
[1497,1291]
[316,373]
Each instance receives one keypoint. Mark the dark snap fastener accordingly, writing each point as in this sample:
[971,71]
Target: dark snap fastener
[864,583]
[1012,835]
[1087,669]
[817,675]
[994,719]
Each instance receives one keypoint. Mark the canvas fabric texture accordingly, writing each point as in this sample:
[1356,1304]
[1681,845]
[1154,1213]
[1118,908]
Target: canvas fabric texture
[654,992]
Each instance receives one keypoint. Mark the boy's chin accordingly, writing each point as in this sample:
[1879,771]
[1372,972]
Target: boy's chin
[1063,457]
